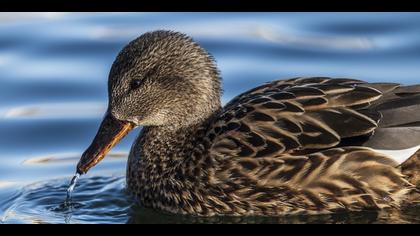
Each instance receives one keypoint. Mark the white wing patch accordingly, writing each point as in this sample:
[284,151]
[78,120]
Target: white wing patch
[399,155]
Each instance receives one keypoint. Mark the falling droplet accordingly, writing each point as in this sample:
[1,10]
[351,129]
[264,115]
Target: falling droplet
[72,186]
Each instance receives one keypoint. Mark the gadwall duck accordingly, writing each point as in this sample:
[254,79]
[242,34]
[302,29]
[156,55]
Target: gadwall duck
[302,145]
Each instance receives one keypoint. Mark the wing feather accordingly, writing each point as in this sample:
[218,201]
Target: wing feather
[295,115]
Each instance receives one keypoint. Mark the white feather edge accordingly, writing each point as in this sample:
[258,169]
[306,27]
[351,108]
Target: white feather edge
[399,155]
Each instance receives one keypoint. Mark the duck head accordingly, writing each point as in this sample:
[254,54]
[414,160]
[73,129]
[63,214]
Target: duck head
[162,78]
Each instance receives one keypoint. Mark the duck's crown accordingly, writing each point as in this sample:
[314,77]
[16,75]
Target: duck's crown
[163,78]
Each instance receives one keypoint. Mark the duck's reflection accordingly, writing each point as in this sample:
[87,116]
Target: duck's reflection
[140,215]
[147,216]
[104,199]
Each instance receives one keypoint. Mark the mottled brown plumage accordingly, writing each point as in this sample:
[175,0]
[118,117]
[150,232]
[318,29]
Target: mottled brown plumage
[289,146]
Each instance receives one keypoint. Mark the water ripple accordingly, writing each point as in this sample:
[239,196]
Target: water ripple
[66,158]
[319,42]
[55,111]
[104,199]
[43,202]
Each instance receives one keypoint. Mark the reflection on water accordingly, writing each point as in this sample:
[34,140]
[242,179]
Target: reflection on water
[97,200]
[101,199]
[53,92]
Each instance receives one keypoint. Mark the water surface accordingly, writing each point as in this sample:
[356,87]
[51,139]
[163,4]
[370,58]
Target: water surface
[53,73]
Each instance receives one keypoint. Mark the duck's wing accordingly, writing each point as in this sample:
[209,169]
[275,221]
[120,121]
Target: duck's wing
[296,116]
[289,144]
[400,118]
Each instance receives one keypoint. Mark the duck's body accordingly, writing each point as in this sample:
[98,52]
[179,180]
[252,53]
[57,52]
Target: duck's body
[274,150]
[303,145]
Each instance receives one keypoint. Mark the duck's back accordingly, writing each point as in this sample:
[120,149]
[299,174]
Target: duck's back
[312,144]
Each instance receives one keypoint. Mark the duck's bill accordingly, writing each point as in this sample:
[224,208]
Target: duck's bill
[109,134]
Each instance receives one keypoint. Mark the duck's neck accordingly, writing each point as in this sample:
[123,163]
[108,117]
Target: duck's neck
[160,153]
[168,145]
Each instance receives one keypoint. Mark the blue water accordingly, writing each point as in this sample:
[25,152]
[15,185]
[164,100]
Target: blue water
[53,74]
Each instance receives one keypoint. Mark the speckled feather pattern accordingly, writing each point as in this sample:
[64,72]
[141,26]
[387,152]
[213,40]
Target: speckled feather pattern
[166,63]
[272,150]
[292,146]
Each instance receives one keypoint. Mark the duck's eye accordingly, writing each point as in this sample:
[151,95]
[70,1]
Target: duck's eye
[135,84]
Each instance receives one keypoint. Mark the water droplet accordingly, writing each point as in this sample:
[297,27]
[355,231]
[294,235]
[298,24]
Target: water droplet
[72,186]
